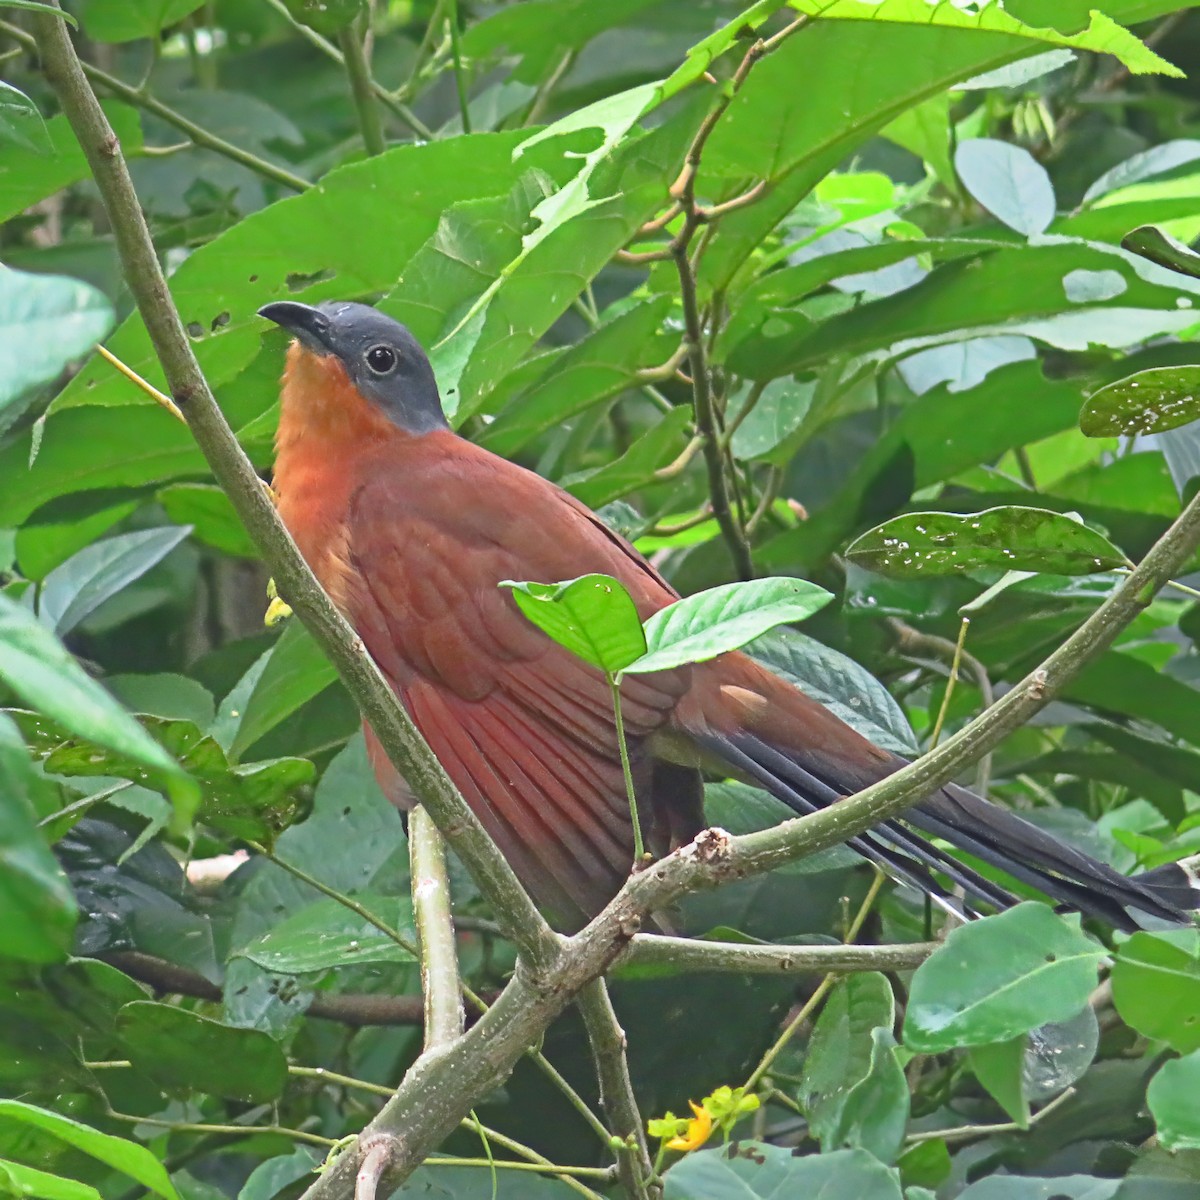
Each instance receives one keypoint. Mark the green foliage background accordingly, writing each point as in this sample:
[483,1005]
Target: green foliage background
[930,276]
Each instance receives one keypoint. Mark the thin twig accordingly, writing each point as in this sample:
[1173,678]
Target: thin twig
[715,211]
[388,931]
[460,77]
[968,1133]
[681,462]
[607,1040]
[297,1135]
[769,495]
[161,400]
[822,990]
[326,47]
[196,133]
[955,659]
[912,641]
[358,72]
[435,929]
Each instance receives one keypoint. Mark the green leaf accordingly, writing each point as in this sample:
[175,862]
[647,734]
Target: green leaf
[254,800]
[73,591]
[853,1088]
[598,366]
[1008,181]
[542,31]
[1121,683]
[45,322]
[207,509]
[35,897]
[1171,1097]
[128,20]
[1010,290]
[1156,986]
[1102,34]
[1011,538]
[1000,977]
[593,616]
[127,1157]
[999,1067]
[327,934]
[839,683]
[661,444]
[723,618]
[1149,401]
[16,1179]
[269,1178]
[185,1052]
[1161,248]
[27,176]
[875,1113]
[37,667]
[1157,160]
[745,1170]
[780,411]
[20,120]
[175,697]
[295,672]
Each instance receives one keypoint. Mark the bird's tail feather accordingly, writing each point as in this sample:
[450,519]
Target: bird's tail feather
[806,782]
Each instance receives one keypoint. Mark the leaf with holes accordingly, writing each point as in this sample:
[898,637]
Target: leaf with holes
[1012,538]
[1150,401]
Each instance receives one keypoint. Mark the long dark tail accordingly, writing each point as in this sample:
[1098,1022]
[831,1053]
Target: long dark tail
[809,780]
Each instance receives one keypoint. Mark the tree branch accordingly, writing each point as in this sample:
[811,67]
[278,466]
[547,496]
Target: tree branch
[195,133]
[435,928]
[607,1040]
[348,1008]
[515,911]
[694,954]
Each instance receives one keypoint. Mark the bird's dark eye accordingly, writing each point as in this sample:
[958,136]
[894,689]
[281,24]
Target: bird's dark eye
[381,359]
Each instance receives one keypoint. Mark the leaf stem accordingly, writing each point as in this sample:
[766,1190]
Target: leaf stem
[955,660]
[297,1135]
[639,849]
[819,994]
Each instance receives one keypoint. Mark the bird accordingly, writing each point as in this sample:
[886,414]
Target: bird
[411,529]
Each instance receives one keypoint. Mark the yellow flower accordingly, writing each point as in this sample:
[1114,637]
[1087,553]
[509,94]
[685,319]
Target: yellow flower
[698,1131]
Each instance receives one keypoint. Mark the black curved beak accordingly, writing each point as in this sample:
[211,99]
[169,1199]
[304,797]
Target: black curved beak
[309,324]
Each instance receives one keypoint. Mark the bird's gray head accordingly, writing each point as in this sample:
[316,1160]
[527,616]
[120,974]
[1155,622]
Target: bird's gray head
[382,359]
